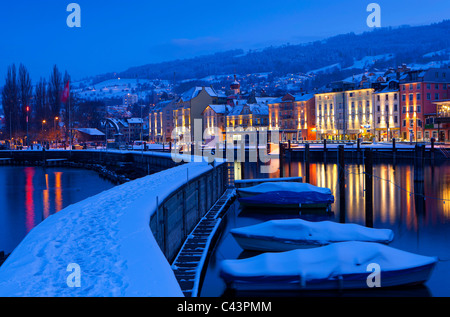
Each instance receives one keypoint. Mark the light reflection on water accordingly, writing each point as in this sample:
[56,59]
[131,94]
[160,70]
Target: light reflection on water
[421,222]
[29,195]
[394,190]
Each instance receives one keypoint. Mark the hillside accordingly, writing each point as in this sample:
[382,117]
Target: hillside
[392,46]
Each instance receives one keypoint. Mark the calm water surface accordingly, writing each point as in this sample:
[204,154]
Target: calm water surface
[28,195]
[421,222]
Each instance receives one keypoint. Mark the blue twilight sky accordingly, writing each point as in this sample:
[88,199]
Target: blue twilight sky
[117,34]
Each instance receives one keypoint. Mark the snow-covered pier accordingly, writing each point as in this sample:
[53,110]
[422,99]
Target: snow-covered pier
[123,240]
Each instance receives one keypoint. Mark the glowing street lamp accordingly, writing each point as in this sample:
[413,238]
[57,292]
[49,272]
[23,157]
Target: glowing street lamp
[56,137]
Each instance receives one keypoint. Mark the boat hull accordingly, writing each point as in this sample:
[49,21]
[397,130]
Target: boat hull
[338,266]
[408,277]
[287,200]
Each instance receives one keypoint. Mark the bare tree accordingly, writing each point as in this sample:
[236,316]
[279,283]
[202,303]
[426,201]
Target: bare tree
[10,101]
[54,92]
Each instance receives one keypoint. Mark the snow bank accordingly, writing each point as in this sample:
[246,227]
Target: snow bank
[321,233]
[108,236]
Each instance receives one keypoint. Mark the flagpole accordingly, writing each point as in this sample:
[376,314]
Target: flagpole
[70,126]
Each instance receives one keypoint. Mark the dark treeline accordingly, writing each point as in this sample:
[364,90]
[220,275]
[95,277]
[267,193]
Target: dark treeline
[37,111]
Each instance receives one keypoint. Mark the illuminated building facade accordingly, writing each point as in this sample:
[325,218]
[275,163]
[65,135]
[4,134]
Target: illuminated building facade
[419,91]
[294,117]
[387,112]
[161,121]
[190,106]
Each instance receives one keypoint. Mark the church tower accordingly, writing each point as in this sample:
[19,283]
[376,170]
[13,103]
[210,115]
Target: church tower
[235,87]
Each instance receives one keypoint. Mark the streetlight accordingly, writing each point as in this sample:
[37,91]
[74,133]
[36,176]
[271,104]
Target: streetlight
[56,137]
[43,122]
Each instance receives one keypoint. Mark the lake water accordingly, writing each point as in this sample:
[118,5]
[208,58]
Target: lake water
[417,212]
[28,195]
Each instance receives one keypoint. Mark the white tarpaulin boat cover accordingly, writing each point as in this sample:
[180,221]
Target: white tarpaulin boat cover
[320,233]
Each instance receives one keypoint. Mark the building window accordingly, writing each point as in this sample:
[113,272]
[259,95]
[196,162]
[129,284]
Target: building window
[418,96]
[395,119]
[411,123]
[436,96]
[404,109]
[395,96]
[404,123]
[395,107]
[403,97]
[428,86]
[418,109]
[411,87]
[418,86]
[411,97]
[428,96]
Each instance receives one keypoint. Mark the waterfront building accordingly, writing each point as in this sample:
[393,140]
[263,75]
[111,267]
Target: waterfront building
[215,116]
[387,112]
[161,121]
[294,117]
[437,125]
[420,91]
[191,105]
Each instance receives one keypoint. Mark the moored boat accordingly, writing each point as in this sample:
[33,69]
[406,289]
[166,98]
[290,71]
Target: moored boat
[344,265]
[285,195]
[290,234]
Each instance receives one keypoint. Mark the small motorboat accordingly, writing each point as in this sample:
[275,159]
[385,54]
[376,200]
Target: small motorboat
[343,265]
[290,195]
[290,234]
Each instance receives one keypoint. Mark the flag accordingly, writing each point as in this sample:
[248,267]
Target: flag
[66,93]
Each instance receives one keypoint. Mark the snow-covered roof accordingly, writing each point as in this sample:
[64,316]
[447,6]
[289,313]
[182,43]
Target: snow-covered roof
[256,109]
[220,109]
[108,236]
[300,97]
[194,91]
[265,100]
[91,131]
[135,121]
[304,97]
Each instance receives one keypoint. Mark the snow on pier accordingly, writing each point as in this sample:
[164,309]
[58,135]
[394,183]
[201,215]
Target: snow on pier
[108,236]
